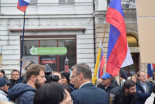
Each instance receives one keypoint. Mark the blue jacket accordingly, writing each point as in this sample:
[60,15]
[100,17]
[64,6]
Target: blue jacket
[22,94]
[142,96]
[89,94]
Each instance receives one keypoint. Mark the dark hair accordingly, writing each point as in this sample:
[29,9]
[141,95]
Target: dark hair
[14,71]
[34,69]
[84,69]
[66,75]
[50,93]
[2,71]
[129,83]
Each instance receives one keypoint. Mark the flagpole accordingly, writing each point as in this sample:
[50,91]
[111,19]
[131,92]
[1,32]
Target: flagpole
[21,59]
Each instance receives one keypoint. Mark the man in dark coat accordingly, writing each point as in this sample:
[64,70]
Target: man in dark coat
[125,94]
[22,93]
[106,83]
[15,78]
[86,92]
[143,88]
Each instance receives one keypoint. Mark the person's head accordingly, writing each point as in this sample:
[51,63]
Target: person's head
[129,88]
[58,74]
[65,78]
[106,79]
[134,78]
[15,75]
[2,73]
[81,74]
[52,93]
[141,76]
[35,75]
[3,84]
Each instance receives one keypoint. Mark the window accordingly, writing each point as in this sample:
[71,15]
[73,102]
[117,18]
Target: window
[66,1]
[55,61]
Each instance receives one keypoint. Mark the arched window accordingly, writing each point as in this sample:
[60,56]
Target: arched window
[132,40]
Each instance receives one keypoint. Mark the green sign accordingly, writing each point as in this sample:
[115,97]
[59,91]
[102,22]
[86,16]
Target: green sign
[48,50]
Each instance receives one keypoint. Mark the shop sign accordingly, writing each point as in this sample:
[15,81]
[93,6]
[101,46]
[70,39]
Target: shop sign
[48,50]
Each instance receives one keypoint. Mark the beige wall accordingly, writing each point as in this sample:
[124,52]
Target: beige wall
[146,27]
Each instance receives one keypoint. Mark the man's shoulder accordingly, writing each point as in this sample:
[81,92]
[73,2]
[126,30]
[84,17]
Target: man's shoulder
[3,96]
[89,89]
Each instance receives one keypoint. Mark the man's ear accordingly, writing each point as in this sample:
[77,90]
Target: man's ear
[80,75]
[33,78]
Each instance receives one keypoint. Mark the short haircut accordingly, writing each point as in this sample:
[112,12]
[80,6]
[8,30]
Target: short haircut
[84,69]
[14,71]
[138,73]
[34,69]
[2,71]
[129,83]
[50,93]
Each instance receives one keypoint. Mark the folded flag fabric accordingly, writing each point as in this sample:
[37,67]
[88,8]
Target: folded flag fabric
[118,51]
[22,5]
[99,67]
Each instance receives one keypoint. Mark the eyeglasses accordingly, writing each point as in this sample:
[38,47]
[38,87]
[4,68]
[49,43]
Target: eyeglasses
[72,76]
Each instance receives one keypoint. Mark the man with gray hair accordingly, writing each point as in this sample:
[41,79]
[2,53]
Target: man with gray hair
[87,93]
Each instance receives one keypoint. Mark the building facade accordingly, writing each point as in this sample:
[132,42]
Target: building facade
[75,26]
[102,31]
[67,24]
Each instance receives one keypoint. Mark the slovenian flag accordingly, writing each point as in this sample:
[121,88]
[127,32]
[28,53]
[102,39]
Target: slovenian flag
[22,5]
[150,68]
[99,67]
[118,52]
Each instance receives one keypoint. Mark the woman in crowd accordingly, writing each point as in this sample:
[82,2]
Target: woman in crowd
[134,78]
[65,79]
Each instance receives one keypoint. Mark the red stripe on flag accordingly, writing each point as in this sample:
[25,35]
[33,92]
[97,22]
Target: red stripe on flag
[21,8]
[119,51]
[102,62]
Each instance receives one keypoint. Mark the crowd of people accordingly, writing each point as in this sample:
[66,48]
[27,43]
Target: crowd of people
[35,87]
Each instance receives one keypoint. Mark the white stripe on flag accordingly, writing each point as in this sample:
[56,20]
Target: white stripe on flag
[28,1]
[128,59]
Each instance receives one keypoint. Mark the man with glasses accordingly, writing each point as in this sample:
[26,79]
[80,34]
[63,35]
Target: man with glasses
[143,88]
[86,92]
[15,78]
[23,93]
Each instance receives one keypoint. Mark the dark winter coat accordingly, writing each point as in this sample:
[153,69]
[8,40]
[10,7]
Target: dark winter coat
[120,97]
[89,94]
[142,96]
[13,82]
[22,94]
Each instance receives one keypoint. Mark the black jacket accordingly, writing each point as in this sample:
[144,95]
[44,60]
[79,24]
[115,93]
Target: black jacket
[13,82]
[111,86]
[120,98]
